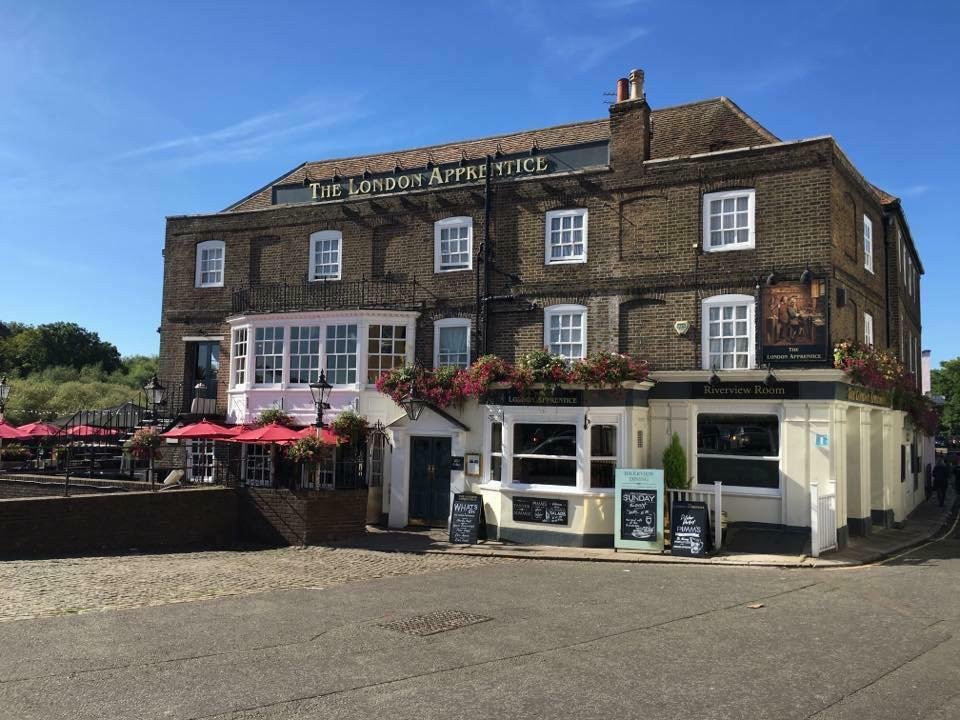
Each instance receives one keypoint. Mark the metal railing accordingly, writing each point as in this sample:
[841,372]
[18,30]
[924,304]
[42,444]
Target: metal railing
[326,295]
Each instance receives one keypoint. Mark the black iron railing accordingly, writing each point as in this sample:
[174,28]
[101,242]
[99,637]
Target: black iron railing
[327,295]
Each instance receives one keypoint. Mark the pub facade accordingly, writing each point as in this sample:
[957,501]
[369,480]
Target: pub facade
[690,236]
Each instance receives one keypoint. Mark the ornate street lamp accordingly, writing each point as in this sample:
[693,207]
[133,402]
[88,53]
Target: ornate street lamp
[155,394]
[413,404]
[320,391]
[4,394]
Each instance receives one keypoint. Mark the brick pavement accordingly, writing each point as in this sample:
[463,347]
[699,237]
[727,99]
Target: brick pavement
[36,588]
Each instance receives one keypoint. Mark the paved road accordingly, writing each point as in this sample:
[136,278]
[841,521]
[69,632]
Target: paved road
[565,640]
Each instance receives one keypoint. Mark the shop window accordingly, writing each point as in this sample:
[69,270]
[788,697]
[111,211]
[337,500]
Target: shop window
[728,332]
[325,256]
[565,330]
[201,460]
[341,349]
[545,454]
[603,455]
[451,343]
[386,350]
[728,220]
[257,465]
[739,450]
[868,328]
[210,260]
[566,240]
[304,354]
[496,452]
[867,244]
[268,356]
[453,244]
[239,357]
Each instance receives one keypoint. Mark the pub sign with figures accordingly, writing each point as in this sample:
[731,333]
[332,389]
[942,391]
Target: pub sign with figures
[793,319]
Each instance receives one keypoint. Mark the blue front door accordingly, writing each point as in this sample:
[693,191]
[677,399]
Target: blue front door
[429,480]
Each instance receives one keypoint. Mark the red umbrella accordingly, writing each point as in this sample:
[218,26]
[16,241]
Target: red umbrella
[325,434]
[203,430]
[9,432]
[272,433]
[38,429]
[91,431]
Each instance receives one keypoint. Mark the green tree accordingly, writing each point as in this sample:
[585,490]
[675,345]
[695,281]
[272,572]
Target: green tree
[29,349]
[945,381]
[675,464]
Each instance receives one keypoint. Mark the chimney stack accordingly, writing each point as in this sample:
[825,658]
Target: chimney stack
[636,85]
[621,90]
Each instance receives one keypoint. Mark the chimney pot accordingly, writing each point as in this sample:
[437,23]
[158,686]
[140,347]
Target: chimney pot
[622,91]
[636,85]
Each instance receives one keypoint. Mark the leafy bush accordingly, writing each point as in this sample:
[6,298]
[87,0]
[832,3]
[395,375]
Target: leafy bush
[350,427]
[274,415]
[675,464]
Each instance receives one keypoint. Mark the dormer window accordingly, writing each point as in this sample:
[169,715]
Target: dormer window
[210,260]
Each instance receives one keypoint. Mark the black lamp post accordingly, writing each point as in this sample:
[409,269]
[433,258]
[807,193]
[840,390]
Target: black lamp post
[320,391]
[413,404]
[155,395]
[4,394]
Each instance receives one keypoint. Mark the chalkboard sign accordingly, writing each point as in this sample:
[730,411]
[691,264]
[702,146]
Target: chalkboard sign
[467,522]
[638,514]
[540,510]
[690,529]
[638,509]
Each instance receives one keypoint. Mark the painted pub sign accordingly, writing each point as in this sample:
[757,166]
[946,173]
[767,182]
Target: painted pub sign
[794,323]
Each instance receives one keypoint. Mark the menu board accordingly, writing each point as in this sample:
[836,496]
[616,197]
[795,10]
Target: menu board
[466,518]
[690,529]
[638,509]
[540,510]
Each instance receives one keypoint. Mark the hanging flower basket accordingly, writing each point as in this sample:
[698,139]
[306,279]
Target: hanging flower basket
[350,428]
[144,445]
[310,450]
[273,415]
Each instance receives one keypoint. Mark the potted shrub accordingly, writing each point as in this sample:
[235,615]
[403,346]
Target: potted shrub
[675,465]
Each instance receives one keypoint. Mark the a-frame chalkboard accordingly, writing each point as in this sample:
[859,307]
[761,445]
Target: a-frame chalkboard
[690,529]
[467,521]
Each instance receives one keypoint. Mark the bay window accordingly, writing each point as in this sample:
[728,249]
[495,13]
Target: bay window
[341,351]
[304,354]
[451,342]
[239,357]
[565,330]
[268,355]
[728,220]
[545,454]
[728,332]
[739,450]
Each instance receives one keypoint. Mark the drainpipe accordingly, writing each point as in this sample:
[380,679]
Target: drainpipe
[888,223]
[486,259]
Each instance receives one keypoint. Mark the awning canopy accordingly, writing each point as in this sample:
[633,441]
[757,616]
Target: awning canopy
[90,431]
[325,434]
[38,429]
[9,432]
[272,433]
[203,430]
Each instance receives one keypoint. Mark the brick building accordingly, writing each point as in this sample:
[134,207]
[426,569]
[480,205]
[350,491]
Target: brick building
[691,236]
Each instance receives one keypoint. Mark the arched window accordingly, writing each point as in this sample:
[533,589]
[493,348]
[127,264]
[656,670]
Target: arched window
[325,255]
[453,244]
[728,332]
[210,263]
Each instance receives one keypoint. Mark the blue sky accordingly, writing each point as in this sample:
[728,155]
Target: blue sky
[115,115]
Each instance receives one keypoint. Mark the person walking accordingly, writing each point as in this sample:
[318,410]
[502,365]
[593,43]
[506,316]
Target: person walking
[940,477]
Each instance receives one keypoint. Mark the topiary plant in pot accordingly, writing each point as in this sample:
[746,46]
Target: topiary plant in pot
[675,465]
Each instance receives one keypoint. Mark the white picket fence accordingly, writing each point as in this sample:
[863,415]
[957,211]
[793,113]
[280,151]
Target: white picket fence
[823,519]
[714,501]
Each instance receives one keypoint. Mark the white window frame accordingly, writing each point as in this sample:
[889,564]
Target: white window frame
[313,374]
[359,356]
[723,407]
[265,472]
[325,235]
[210,245]
[205,448]
[283,340]
[751,242]
[868,336]
[239,376]
[867,244]
[450,323]
[724,300]
[446,224]
[569,212]
[407,351]
[555,310]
